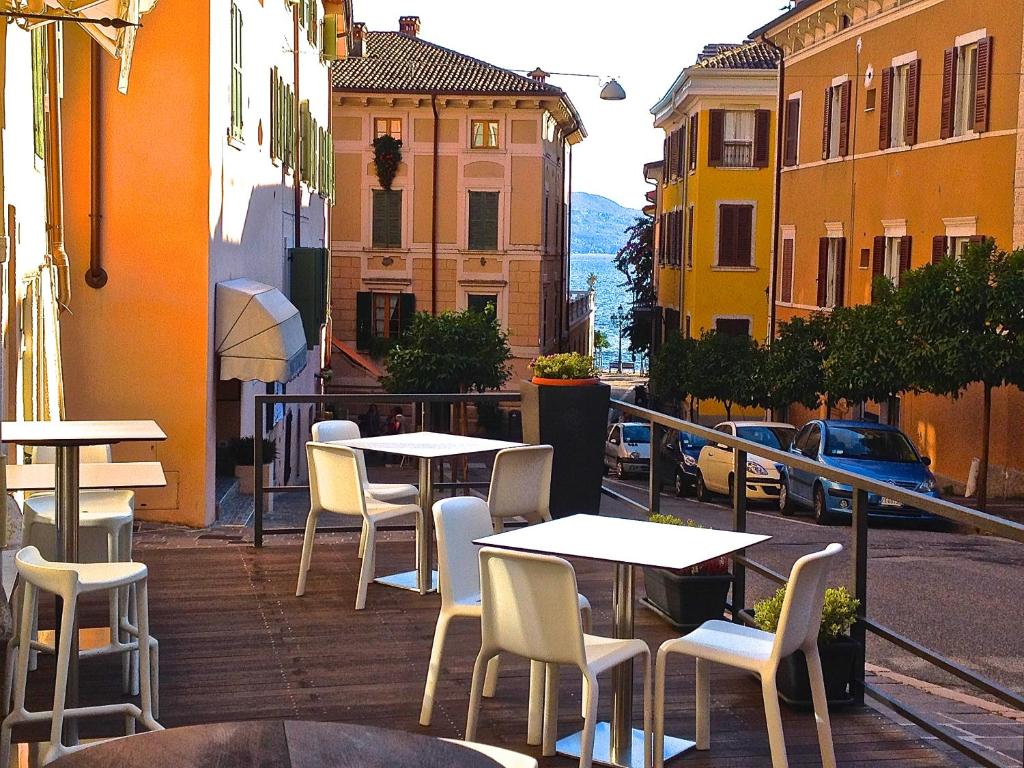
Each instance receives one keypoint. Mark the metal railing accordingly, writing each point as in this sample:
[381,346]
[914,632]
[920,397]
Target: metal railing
[737,154]
[981,521]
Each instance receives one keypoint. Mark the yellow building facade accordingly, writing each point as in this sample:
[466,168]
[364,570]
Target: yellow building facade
[903,141]
[716,192]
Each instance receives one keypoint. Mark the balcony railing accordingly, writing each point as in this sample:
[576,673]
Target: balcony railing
[737,154]
[581,304]
[980,522]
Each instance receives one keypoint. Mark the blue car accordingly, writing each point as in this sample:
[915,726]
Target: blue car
[878,451]
[679,453]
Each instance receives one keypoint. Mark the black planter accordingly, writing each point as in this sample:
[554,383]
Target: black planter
[837,664]
[686,601]
[572,420]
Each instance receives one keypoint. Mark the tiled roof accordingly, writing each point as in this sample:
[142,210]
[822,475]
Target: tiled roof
[399,63]
[749,55]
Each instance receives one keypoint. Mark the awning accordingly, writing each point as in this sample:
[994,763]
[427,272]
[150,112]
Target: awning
[259,333]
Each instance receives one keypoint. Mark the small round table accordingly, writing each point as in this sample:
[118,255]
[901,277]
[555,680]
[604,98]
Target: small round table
[276,744]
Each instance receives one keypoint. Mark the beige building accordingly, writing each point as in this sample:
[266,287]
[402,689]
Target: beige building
[490,228]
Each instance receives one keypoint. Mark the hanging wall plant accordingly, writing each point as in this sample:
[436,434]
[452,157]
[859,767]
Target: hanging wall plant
[387,155]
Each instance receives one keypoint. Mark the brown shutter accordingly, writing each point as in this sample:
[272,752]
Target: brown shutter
[716,137]
[694,118]
[938,248]
[948,99]
[689,235]
[878,256]
[727,235]
[789,153]
[913,99]
[885,112]
[744,235]
[905,243]
[840,271]
[786,289]
[822,271]
[679,238]
[978,239]
[826,129]
[666,165]
[983,86]
[679,166]
[762,125]
[844,119]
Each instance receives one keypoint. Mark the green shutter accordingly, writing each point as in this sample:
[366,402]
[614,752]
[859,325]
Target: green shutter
[237,100]
[364,320]
[39,90]
[380,214]
[275,116]
[483,221]
[406,309]
[307,289]
[329,44]
[387,218]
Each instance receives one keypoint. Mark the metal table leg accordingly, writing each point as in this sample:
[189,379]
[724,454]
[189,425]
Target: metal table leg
[618,743]
[424,578]
[66,523]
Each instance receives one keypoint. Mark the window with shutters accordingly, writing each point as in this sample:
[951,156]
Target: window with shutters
[483,134]
[735,235]
[786,270]
[897,258]
[900,91]
[478,302]
[791,138]
[834,272]
[966,85]
[733,326]
[387,218]
[738,139]
[833,127]
[237,95]
[387,315]
[483,221]
[39,90]
[387,126]
[898,112]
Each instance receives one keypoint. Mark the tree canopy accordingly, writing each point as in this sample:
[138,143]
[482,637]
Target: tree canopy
[635,261]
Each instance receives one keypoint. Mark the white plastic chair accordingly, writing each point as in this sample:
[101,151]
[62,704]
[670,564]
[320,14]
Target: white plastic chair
[332,431]
[521,485]
[335,485]
[506,758]
[459,521]
[530,609]
[69,580]
[751,649]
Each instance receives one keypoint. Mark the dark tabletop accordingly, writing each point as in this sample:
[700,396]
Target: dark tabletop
[276,744]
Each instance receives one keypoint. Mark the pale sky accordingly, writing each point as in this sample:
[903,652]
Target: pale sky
[643,43]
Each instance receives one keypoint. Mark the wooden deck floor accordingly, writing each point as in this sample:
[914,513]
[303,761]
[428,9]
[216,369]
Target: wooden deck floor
[236,644]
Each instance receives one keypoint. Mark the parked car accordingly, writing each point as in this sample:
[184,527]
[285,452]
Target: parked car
[715,463]
[878,451]
[678,454]
[628,449]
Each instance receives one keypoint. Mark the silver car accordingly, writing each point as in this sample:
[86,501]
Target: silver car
[627,450]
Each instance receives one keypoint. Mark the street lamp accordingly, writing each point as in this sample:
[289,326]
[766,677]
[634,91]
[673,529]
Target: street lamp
[619,317]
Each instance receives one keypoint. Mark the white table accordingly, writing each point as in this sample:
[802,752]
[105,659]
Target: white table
[66,437]
[127,474]
[626,543]
[425,446]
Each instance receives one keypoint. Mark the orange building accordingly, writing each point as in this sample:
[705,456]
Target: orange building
[489,228]
[903,142]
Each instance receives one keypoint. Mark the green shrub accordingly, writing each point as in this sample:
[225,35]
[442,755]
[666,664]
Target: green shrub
[244,449]
[838,613]
[717,565]
[568,365]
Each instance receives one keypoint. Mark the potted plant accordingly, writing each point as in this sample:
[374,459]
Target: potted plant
[387,156]
[566,406]
[689,597]
[837,649]
[244,450]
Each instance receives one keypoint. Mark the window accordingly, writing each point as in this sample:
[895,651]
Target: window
[891,256]
[733,326]
[387,315]
[237,101]
[966,82]
[955,246]
[738,139]
[791,139]
[387,126]
[786,272]
[836,135]
[478,302]
[382,316]
[831,271]
[39,90]
[483,134]
[483,221]
[892,259]
[899,106]
[897,125]
[808,442]
[387,218]
[735,228]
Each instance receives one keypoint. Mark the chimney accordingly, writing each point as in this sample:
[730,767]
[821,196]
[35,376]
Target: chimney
[409,25]
[358,39]
[539,75]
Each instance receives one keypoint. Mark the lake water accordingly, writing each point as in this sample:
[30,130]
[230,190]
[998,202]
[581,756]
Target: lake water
[610,294]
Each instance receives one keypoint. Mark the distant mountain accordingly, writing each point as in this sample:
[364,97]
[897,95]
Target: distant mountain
[599,224]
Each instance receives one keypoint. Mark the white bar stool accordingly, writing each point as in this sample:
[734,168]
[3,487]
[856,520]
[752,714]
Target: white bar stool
[68,581]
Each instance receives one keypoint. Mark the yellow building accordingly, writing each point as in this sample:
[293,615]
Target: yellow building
[715,199]
[489,228]
[903,141]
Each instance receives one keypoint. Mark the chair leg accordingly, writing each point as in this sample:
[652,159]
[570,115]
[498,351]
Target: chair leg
[821,718]
[648,712]
[590,697]
[703,704]
[366,569]
[154,655]
[60,685]
[773,718]
[307,552]
[28,598]
[550,710]
[145,663]
[535,712]
[475,691]
[491,678]
[434,669]
[362,540]
[587,618]
[659,708]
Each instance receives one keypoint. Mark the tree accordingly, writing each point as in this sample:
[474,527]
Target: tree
[601,343]
[451,352]
[674,376]
[726,367]
[792,369]
[636,262]
[964,321]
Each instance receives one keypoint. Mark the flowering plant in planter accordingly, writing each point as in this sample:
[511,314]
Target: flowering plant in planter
[714,567]
[387,156]
[838,613]
[567,366]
